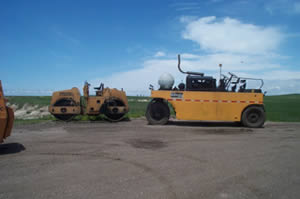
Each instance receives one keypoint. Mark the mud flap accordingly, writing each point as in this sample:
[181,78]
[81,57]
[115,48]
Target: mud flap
[9,122]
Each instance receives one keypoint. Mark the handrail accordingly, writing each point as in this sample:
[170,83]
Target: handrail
[256,79]
[246,78]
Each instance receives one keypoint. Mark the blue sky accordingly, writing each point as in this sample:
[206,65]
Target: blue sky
[52,45]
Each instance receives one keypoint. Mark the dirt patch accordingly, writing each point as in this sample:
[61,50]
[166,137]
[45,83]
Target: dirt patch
[29,111]
[147,143]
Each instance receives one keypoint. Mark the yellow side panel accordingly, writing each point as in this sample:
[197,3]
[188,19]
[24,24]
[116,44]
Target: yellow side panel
[214,106]
[70,94]
[94,104]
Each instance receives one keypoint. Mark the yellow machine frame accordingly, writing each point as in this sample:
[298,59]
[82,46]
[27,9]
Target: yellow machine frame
[211,106]
[201,99]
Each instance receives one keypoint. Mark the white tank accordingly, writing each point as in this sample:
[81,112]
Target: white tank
[166,81]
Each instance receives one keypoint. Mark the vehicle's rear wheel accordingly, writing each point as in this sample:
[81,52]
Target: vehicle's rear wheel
[158,112]
[254,117]
[64,102]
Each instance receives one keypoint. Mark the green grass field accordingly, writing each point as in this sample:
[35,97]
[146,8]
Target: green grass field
[31,100]
[283,108]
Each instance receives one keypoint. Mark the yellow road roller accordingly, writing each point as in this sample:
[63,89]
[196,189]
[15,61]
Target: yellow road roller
[6,117]
[200,98]
[67,104]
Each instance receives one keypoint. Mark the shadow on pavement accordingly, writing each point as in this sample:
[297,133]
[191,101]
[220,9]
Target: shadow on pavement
[11,148]
[204,124]
[213,127]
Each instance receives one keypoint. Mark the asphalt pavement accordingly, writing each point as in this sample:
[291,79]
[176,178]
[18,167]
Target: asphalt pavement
[130,159]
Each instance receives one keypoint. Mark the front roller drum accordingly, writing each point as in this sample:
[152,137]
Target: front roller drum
[65,109]
[66,117]
[158,112]
[115,110]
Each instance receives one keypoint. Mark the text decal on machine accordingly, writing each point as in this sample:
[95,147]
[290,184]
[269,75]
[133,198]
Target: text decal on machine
[65,94]
[177,95]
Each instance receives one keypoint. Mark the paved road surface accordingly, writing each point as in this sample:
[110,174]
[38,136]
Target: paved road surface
[183,160]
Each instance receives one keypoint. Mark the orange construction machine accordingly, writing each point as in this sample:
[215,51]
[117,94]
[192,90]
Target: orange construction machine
[68,103]
[6,117]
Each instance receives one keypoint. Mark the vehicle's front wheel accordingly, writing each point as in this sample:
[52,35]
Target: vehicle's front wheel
[158,112]
[254,117]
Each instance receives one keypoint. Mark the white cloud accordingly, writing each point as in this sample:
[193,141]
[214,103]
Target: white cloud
[160,54]
[230,62]
[280,87]
[189,56]
[245,49]
[187,19]
[281,75]
[137,81]
[231,35]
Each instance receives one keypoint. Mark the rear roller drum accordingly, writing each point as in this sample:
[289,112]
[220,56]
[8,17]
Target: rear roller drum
[158,112]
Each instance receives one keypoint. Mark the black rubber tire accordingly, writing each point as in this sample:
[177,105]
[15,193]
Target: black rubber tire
[158,112]
[254,117]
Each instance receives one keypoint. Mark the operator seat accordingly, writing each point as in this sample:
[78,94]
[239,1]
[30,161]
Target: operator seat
[99,90]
